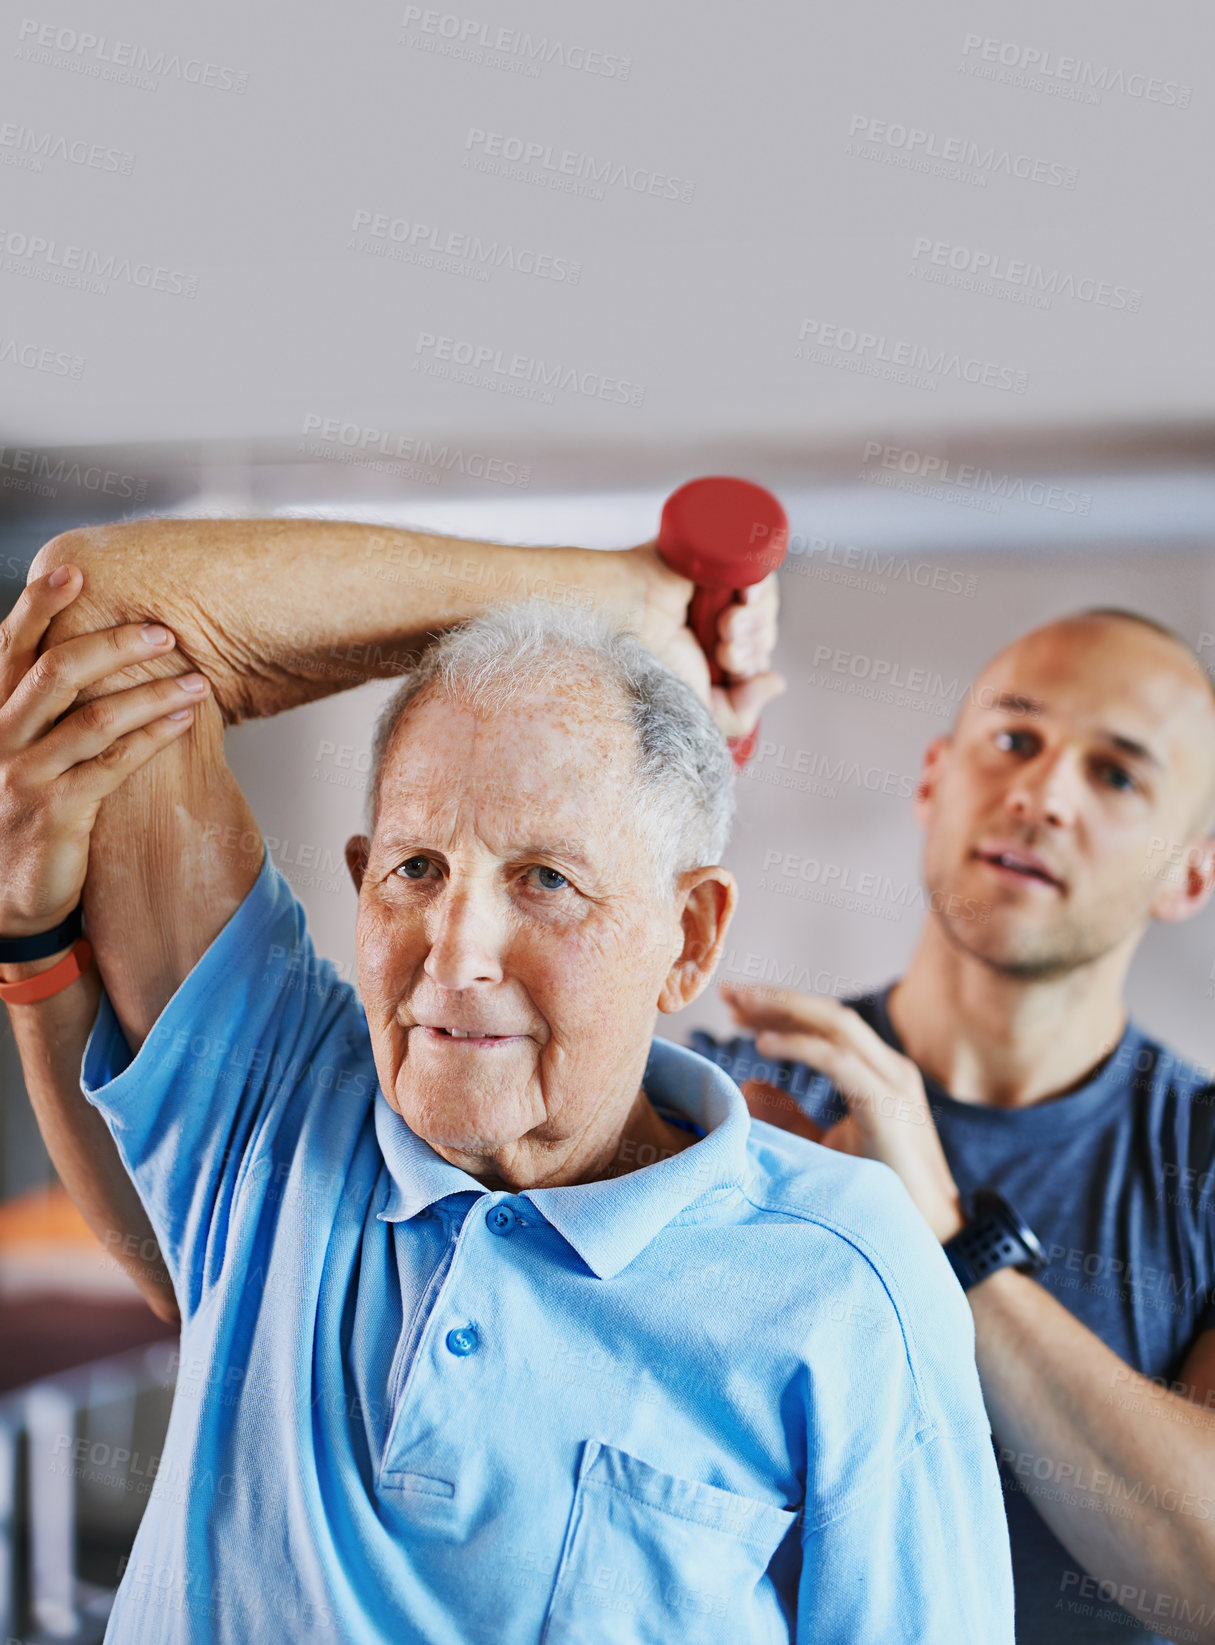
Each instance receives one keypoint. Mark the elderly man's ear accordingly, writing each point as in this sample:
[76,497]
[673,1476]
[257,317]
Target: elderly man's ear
[358,847]
[707,900]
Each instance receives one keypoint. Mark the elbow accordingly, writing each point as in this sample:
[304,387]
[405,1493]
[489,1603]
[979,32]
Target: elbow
[91,607]
[75,547]
[124,583]
[164,1306]
[95,605]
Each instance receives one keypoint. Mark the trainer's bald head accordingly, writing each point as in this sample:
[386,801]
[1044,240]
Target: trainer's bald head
[1144,679]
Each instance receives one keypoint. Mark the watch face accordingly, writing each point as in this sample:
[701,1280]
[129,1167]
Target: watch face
[1033,1244]
[995,1205]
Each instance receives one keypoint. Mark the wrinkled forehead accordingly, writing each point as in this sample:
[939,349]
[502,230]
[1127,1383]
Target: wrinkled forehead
[545,768]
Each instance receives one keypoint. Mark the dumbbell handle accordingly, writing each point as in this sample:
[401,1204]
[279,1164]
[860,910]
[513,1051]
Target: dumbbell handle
[724,534]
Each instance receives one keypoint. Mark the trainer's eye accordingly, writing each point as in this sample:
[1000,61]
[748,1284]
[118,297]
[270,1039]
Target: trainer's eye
[1117,777]
[1010,741]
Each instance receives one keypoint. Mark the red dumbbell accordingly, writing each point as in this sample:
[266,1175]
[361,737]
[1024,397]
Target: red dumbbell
[724,535]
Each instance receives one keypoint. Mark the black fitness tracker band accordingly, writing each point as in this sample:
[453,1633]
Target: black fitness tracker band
[996,1237]
[42,943]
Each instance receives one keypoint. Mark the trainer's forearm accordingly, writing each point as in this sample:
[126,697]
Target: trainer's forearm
[51,1036]
[278,612]
[1127,1492]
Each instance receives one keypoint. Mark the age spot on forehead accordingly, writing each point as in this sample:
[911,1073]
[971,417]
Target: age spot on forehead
[561,759]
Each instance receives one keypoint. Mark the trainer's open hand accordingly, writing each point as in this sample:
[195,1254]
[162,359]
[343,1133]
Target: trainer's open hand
[58,762]
[888,1115]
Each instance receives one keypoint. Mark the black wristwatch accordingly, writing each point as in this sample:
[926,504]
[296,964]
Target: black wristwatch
[995,1237]
[42,943]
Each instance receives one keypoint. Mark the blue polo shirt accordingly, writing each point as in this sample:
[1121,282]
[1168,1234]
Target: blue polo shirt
[728,1396]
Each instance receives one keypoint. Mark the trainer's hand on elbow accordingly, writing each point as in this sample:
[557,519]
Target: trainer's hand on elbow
[58,763]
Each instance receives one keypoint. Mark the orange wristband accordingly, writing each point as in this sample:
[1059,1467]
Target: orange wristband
[45,983]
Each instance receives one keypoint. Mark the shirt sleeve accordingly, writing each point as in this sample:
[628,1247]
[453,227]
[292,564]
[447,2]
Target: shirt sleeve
[259,1029]
[910,1538]
[923,1555]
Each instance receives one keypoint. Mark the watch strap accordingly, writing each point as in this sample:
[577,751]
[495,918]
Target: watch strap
[42,943]
[997,1237]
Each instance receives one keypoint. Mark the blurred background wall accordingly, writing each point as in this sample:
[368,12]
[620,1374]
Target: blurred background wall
[940,276]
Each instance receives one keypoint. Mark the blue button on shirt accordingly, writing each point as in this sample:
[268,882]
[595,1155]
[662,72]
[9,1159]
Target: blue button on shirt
[729,1396]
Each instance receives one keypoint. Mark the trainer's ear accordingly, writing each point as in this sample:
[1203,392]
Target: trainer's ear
[1186,887]
[931,769]
[358,849]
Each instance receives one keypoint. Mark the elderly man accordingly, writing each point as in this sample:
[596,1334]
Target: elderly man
[496,1322]
[1071,807]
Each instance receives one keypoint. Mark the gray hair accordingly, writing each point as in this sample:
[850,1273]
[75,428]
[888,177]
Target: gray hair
[685,772]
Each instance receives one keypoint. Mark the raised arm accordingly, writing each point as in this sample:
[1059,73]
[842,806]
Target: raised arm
[273,614]
[278,612]
[62,762]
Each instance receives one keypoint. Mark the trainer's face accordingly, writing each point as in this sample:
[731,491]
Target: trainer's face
[1061,814]
[513,948]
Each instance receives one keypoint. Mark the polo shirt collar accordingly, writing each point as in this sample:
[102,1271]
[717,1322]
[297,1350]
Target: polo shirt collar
[608,1223]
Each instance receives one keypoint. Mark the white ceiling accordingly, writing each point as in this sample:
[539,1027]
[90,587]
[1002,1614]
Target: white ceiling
[255,194]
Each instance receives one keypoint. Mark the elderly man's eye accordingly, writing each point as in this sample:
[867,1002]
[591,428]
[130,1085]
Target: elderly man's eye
[413,868]
[548,878]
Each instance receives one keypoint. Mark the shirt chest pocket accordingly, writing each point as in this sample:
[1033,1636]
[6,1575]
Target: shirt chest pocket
[650,1558]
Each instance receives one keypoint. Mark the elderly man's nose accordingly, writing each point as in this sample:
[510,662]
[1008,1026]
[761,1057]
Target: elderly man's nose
[465,939]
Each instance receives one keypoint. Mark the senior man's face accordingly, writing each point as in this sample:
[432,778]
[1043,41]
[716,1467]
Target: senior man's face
[513,949]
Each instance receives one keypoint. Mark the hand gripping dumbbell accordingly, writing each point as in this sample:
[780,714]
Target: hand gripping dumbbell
[724,535]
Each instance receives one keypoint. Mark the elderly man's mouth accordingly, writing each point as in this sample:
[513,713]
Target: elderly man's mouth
[466,1037]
